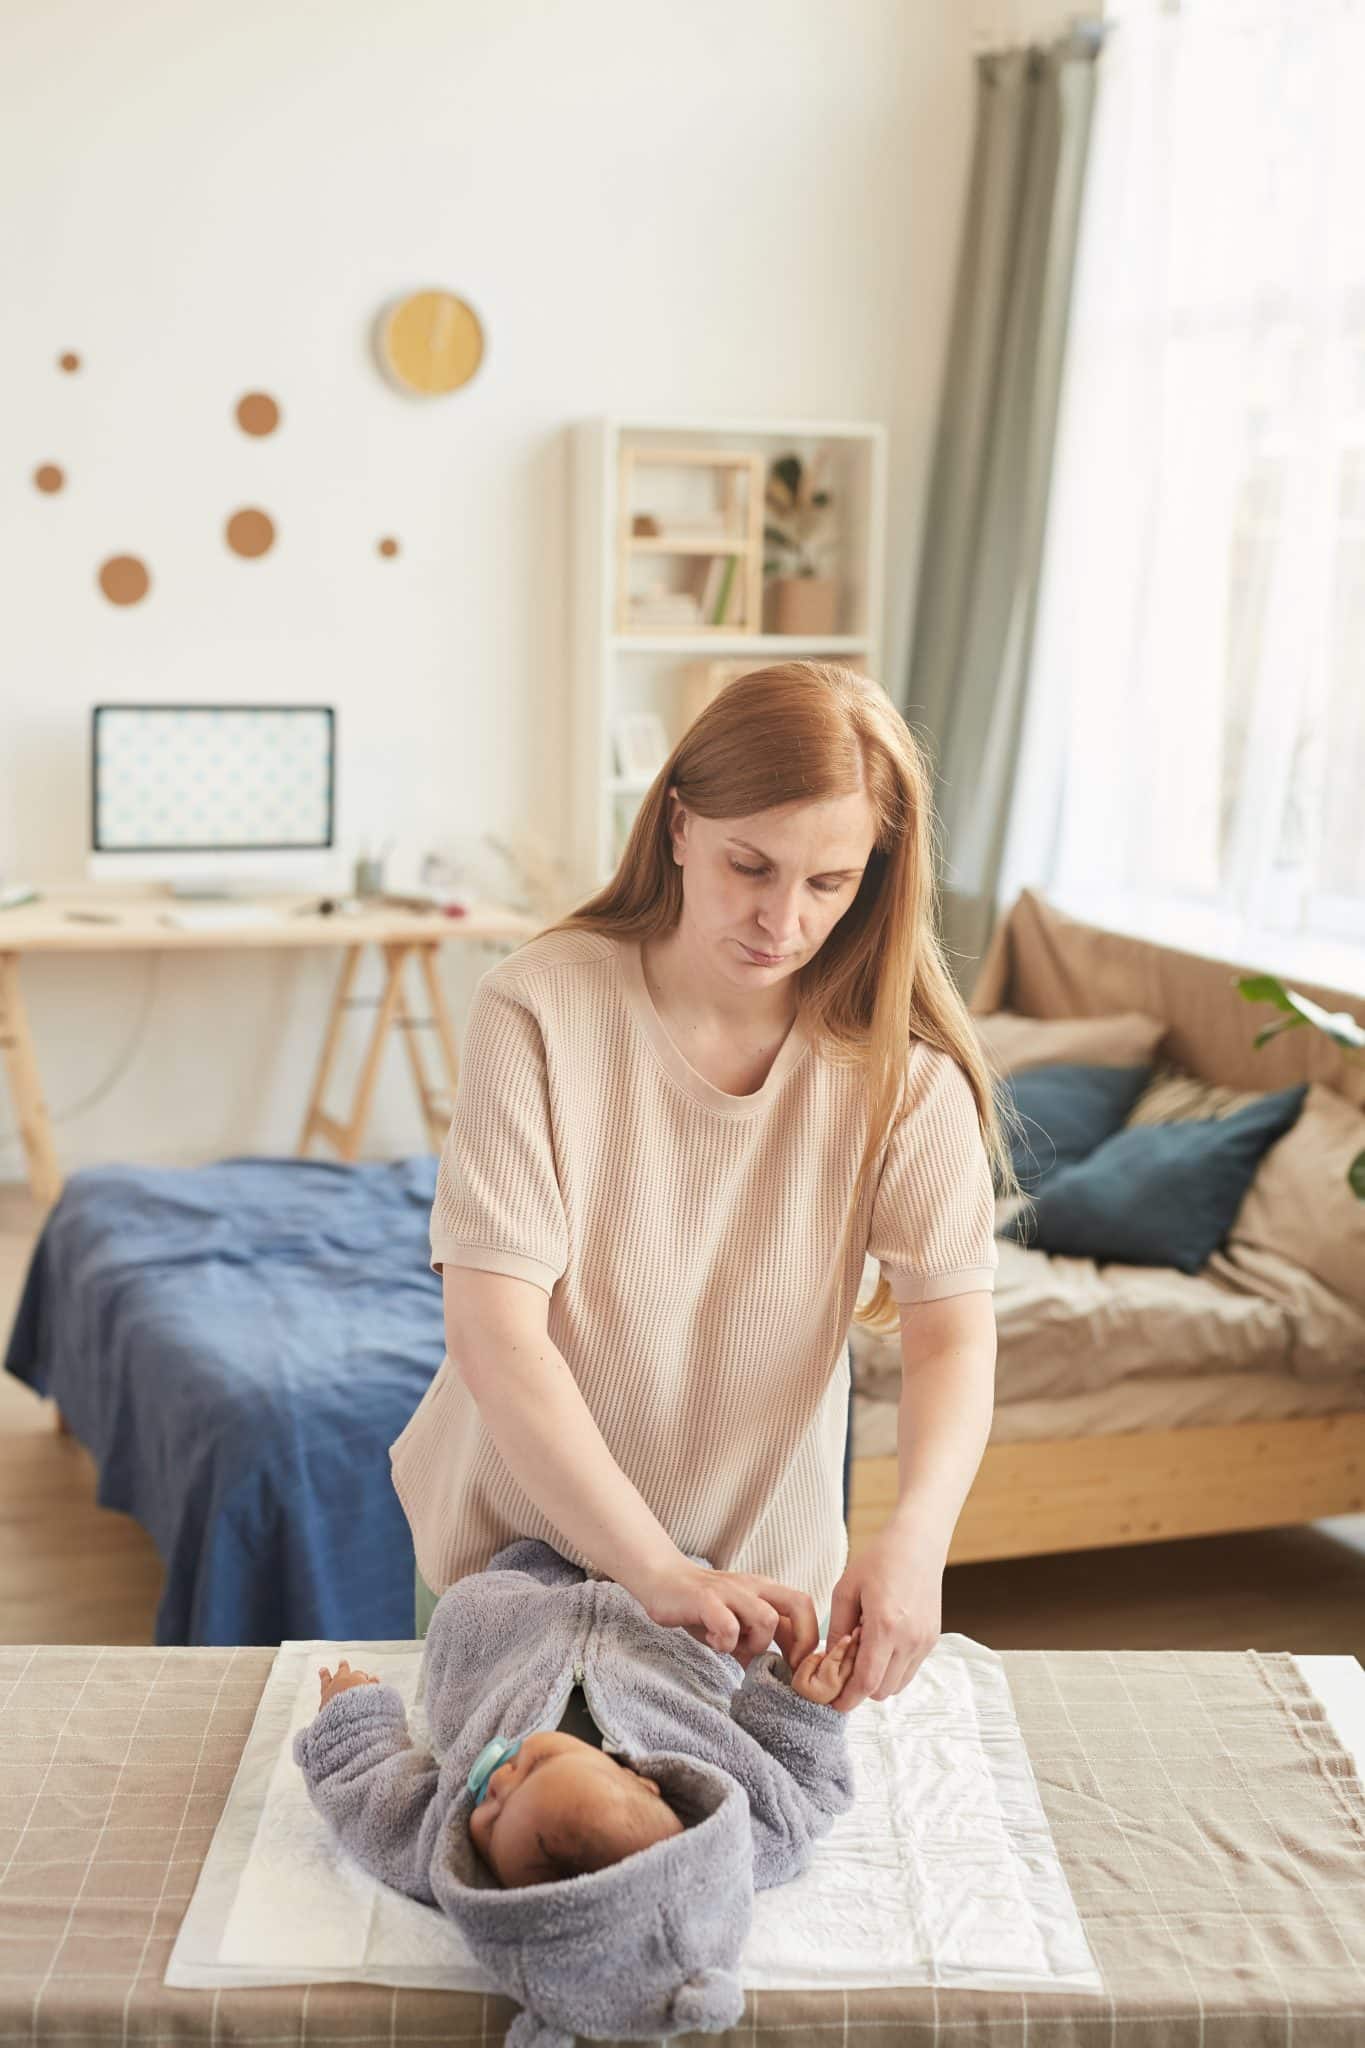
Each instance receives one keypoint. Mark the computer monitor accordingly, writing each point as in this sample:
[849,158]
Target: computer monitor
[208,796]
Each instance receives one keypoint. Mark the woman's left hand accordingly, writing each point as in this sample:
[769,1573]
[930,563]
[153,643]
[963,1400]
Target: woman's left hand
[894,1591]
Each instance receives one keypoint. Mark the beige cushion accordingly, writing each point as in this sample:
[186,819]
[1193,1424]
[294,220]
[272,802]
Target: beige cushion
[1300,1204]
[1013,1043]
[1174,1097]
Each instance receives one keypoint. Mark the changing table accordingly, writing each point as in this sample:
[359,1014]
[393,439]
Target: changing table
[1210,1822]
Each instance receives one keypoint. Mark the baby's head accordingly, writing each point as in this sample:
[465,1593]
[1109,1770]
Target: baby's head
[559,1807]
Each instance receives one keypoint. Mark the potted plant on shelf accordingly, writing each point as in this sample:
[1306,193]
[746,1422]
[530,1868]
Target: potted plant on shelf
[798,539]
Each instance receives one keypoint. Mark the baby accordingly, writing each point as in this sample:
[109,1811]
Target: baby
[602,1798]
[558,1805]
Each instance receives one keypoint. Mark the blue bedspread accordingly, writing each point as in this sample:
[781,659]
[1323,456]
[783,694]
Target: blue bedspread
[237,1345]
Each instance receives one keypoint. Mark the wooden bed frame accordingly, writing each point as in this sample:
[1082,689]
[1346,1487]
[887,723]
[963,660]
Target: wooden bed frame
[1091,1492]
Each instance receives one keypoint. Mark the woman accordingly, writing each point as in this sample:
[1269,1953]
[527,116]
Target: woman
[686,1114]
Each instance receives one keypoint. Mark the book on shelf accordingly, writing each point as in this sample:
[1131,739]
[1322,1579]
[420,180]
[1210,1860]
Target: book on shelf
[663,608]
[717,588]
[727,584]
[713,597]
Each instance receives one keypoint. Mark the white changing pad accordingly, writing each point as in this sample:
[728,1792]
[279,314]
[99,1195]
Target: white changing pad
[944,1871]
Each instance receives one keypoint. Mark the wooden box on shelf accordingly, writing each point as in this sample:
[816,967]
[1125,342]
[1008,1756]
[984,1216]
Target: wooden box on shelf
[721,556]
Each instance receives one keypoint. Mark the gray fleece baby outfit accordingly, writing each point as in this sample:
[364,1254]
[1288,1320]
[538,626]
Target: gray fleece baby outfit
[646,1947]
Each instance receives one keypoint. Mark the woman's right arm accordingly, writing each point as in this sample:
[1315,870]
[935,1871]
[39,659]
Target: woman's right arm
[498,1343]
[531,1406]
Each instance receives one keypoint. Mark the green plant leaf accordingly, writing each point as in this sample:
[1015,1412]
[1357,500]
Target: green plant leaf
[787,470]
[1264,988]
[1338,1025]
[1274,1030]
[1355,1174]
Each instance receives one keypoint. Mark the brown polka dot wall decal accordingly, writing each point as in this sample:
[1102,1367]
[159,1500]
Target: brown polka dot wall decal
[258,413]
[250,533]
[69,362]
[124,579]
[388,546]
[49,477]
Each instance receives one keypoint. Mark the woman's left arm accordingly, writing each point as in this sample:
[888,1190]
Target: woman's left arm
[894,1586]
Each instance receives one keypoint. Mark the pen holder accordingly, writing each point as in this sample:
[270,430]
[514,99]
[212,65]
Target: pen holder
[369,877]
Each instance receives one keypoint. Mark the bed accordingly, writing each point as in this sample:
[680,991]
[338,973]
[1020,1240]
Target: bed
[237,1345]
[1139,1403]
[1205,1808]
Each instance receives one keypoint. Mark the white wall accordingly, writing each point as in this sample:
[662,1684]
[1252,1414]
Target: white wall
[740,209]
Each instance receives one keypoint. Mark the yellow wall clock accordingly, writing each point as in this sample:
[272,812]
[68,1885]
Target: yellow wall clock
[431,342]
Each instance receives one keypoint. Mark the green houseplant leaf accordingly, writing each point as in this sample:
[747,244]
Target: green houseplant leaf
[1338,1025]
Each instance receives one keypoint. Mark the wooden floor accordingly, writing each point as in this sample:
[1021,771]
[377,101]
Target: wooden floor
[73,1572]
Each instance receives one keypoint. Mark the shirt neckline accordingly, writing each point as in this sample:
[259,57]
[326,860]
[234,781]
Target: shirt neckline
[792,1049]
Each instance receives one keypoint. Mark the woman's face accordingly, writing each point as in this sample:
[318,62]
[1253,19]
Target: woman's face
[761,894]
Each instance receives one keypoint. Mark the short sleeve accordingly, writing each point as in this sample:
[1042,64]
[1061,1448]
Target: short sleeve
[498,1204]
[933,1217]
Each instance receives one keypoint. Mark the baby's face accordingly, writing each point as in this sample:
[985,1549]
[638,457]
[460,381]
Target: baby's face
[543,1796]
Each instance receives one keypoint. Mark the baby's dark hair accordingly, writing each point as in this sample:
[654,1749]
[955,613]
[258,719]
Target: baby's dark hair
[598,1838]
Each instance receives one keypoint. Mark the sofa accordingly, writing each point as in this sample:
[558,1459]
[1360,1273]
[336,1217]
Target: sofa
[1135,1401]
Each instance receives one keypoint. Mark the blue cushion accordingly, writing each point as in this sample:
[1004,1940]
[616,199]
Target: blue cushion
[1067,1112]
[1158,1195]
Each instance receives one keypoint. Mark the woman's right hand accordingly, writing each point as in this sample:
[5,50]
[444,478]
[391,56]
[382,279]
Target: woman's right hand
[737,1612]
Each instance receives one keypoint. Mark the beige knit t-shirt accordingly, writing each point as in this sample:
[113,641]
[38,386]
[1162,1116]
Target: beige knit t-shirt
[686,1239]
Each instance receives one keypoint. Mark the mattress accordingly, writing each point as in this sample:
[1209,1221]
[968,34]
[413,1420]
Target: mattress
[1089,1350]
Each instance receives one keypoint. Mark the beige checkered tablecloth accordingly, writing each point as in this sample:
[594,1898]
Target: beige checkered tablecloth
[1210,1824]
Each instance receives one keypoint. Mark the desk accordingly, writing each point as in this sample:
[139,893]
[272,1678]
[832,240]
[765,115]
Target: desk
[401,936]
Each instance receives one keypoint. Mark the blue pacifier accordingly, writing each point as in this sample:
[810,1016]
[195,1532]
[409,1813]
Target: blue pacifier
[486,1762]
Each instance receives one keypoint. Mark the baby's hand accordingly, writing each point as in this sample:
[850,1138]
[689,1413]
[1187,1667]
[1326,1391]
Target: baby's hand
[340,1680]
[821,1675]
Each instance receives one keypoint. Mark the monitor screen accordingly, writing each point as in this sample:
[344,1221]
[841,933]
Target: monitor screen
[186,778]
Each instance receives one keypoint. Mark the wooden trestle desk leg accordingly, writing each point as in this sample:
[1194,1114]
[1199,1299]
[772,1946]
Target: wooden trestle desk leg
[315,1119]
[391,1008]
[436,1104]
[21,1068]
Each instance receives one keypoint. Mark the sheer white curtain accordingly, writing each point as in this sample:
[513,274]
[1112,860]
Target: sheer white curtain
[1194,752]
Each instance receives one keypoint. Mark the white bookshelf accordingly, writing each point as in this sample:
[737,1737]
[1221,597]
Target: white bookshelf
[618,672]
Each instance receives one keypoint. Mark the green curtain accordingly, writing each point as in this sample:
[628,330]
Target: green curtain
[976,590]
